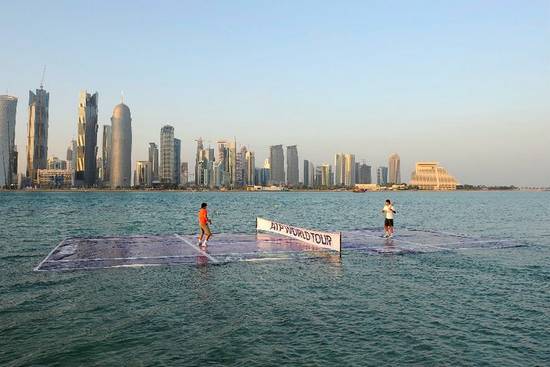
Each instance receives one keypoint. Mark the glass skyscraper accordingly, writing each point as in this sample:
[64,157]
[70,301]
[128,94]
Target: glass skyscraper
[8,108]
[292,169]
[37,137]
[167,155]
[277,165]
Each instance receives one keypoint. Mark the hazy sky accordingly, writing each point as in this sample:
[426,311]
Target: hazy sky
[465,83]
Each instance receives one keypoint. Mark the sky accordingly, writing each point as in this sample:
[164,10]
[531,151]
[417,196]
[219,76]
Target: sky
[464,83]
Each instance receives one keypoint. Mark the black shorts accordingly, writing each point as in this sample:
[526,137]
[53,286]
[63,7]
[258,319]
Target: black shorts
[388,222]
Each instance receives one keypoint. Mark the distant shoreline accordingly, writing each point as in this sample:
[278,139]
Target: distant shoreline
[263,191]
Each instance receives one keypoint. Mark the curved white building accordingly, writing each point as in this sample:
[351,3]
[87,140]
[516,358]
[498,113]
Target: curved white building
[431,176]
[8,107]
[121,147]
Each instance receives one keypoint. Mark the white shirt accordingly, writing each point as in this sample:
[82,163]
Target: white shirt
[388,209]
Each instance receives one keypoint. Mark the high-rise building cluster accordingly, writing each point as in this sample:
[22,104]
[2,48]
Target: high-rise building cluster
[222,165]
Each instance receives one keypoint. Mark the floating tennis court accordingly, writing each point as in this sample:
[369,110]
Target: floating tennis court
[273,241]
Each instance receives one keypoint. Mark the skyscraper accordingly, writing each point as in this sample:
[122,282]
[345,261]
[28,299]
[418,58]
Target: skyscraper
[309,174]
[143,176]
[87,140]
[71,156]
[177,161]
[232,164]
[184,180]
[8,109]
[292,169]
[382,175]
[326,175]
[394,164]
[167,155]
[198,159]
[250,168]
[241,171]
[344,174]
[339,169]
[364,174]
[277,163]
[349,170]
[223,163]
[37,137]
[106,155]
[154,159]
[121,149]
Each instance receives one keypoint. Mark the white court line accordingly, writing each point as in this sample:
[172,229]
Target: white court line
[210,257]
[37,268]
[409,242]
[438,246]
[124,258]
[472,242]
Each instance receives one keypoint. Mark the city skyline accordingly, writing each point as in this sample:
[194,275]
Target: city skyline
[357,77]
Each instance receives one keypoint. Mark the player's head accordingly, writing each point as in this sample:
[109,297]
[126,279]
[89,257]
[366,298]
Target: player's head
[204,205]
[388,201]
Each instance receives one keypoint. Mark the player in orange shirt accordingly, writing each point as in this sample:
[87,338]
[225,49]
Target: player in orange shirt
[203,224]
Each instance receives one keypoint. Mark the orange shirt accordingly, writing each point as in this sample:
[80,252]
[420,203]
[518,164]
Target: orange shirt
[203,216]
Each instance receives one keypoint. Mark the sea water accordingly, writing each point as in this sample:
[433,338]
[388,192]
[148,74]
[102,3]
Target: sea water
[476,307]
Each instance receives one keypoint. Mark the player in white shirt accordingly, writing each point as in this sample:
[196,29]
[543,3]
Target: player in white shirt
[388,211]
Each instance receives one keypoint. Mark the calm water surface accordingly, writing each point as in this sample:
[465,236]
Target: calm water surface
[477,307]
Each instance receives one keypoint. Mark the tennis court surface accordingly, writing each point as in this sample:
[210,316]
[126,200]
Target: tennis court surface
[174,249]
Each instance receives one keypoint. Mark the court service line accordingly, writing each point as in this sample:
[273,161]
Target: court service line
[210,257]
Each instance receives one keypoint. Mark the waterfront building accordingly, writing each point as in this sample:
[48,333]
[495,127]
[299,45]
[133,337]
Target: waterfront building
[121,147]
[250,168]
[262,176]
[232,164]
[325,179]
[56,163]
[431,176]
[99,173]
[223,168]
[143,176]
[154,159]
[54,178]
[364,175]
[344,174]
[339,169]
[309,174]
[177,161]
[277,164]
[394,164]
[349,170]
[8,172]
[198,159]
[37,133]
[106,148]
[71,155]
[184,173]
[241,170]
[292,166]
[382,176]
[167,155]
[85,172]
